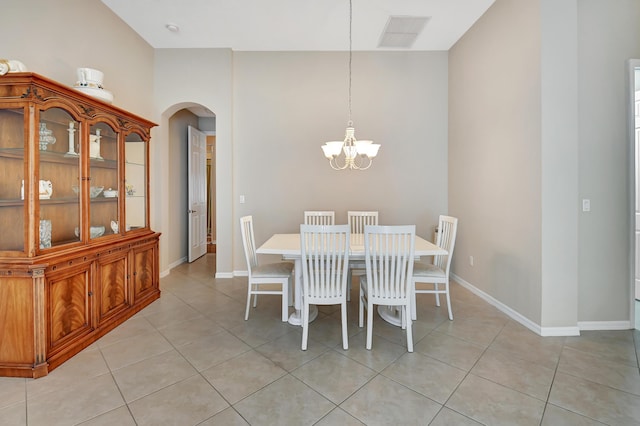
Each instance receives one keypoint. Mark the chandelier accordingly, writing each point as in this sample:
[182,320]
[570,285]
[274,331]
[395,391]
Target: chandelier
[350,153]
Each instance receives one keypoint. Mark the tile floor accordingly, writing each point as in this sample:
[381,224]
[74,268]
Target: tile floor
[191,359]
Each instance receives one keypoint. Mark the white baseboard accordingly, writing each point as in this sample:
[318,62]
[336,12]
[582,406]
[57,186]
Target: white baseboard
[516,316]
[559,331]
[604,325]
[240,273]
[224,275]
[171,266]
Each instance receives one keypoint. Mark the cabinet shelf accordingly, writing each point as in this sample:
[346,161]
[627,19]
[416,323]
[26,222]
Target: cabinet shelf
[57,157]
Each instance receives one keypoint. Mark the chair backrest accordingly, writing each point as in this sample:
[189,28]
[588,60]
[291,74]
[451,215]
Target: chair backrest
[248,242]
[325,261]
[447,229]
[388,254]
[358,219]
[319,217]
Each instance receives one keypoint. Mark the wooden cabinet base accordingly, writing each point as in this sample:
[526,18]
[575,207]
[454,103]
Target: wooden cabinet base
[53,309]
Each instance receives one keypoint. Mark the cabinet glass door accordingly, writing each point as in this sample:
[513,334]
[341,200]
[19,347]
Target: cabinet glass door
[12,213]
[135,153]
[58,185]
[103,173]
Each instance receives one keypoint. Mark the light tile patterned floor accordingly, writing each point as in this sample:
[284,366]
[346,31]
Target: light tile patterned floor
[191,359]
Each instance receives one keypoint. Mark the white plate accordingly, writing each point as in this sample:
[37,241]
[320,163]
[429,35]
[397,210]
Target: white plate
[103,95]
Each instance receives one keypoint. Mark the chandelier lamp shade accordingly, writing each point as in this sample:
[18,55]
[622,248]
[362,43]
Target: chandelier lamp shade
[350,153]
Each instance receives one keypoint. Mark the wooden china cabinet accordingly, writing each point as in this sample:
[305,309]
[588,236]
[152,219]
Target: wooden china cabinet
[77,255]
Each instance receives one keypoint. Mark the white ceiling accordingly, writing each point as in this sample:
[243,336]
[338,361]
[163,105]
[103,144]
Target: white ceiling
[293,25]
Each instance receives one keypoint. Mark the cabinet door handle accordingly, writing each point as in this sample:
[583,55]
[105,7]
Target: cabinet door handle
[192,211]
[90,293]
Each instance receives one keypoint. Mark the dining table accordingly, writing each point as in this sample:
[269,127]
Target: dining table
[288,246]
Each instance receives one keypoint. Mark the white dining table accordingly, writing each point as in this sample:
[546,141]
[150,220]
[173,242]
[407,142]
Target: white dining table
[288,246]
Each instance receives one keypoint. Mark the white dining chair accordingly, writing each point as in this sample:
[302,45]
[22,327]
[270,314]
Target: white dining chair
[427,277]
[319,217]
[325,262]
[389,253]
[357,220]
[266,274]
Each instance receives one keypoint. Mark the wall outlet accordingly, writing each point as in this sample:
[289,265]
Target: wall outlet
[470,260]
[586,205]
[242,199]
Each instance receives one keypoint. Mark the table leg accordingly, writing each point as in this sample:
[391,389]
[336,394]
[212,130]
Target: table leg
[296,317]
[391,314]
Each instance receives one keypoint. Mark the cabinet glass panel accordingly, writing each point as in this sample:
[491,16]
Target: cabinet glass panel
[58,185]
[12,142]
[103,172]
[135,152]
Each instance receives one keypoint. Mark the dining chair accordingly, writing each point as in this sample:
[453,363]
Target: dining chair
[266,274]
[319,217]
[427,277]
[357,221]
[388,255]
[325,262]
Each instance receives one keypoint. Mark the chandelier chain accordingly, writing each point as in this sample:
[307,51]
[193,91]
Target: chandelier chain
[350,153]
[350,56]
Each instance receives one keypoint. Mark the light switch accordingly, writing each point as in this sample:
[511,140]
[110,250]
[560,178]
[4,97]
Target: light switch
[586,205]
[242,199]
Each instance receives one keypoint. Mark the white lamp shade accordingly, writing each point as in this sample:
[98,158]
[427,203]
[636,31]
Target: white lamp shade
[362,147]
[332,149]
[372,150]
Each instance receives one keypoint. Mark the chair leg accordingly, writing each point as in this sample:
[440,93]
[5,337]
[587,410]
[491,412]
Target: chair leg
[409,326]
[305,325]
[369,325]
[290,291]
[361,309]
[412,298]
[449,302]
[255,297]
[349,277]
[345,336]
[435,287]
[246,314]
[285,301]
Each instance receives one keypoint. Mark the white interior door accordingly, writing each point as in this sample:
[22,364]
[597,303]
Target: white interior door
[197,193]
[637,149]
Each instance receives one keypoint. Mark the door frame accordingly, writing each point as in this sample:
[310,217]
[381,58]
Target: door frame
[632,65]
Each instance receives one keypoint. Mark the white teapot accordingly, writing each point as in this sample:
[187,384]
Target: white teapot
[45,190]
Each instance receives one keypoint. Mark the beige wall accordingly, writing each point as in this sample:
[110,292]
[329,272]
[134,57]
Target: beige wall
[184,77]
[53,38]
[538,121]
[559,156]
[286,105]
[494,155]
[609,35]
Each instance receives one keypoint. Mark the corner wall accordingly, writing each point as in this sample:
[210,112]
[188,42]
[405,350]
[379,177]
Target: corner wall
[495,155]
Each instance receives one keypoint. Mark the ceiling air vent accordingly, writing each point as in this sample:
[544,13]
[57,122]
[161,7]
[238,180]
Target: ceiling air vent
[402,31]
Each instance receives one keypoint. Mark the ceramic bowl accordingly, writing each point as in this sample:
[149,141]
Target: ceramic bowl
[110,193]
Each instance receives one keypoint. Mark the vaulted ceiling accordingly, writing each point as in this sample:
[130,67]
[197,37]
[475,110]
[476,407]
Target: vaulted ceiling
[297,25]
